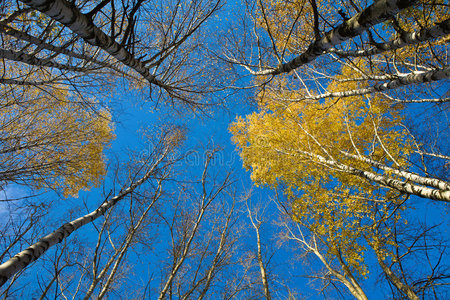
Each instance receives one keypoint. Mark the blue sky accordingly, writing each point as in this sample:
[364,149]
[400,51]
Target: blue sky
[204,132]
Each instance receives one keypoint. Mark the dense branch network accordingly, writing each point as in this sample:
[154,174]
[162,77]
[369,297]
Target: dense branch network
[378,12]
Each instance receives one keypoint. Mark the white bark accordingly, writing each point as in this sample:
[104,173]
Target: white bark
[32,253]
[355,288]
[259,256]
[410,38]
[402,186]
[378,12]
[43,45]
[34,61]
[410,176]
[215,263]
[413,78]
[127,243]
[434,155]
[394,279]
[311,246]
[70,16]
[206,200]
[437,100]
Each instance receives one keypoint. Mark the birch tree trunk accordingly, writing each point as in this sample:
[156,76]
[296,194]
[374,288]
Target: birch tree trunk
[410,176]
[311,246]
[185,247]
[32,253]
[265,281]
[215,263]
[383,180]
[378,12]
[406,289]
[377,247]
[82,25]
[413,78]
[127,242]
[410,38]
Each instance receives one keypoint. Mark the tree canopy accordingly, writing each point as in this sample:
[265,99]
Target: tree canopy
[341,118]
[331,127]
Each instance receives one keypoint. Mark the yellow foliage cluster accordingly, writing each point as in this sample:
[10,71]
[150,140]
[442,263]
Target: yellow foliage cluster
[302,145]
[425,14]
[291,23]
[50,139]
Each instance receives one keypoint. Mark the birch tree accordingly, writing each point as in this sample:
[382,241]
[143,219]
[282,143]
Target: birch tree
[314,62]
[380,235]
[344,166]
[96,39]
[49,141]
[350,137]
[150,168]
[406,50]
[256,223]
[190,235]
[184,229]
[74,67]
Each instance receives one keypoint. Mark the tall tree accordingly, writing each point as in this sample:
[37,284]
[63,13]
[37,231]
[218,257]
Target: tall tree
[150,167]
[57,56]
[90,38]
[352,138]
[345,166]
[49,140]
[190,235]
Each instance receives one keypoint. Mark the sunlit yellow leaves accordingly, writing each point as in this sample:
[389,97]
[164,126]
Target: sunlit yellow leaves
[291,23]
[51,140]
[303,145]
[425,14]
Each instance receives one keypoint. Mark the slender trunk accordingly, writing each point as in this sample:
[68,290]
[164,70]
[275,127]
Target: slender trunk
[410,38]
[205,202]
[185,250]
[413,78]
[262,268]
[395,280]
[376,13]
[436,100]
[34,61]
[366,78]
[32,253]
[406,289]
[356,291]
[81,24]
[433,155]
[383,180]
[219,252]
[184,254]
[259,257]
[410,176]
[311,246]
[128,242]
[95,275]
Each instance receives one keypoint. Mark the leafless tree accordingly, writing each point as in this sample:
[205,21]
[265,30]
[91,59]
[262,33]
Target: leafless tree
[150,167]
